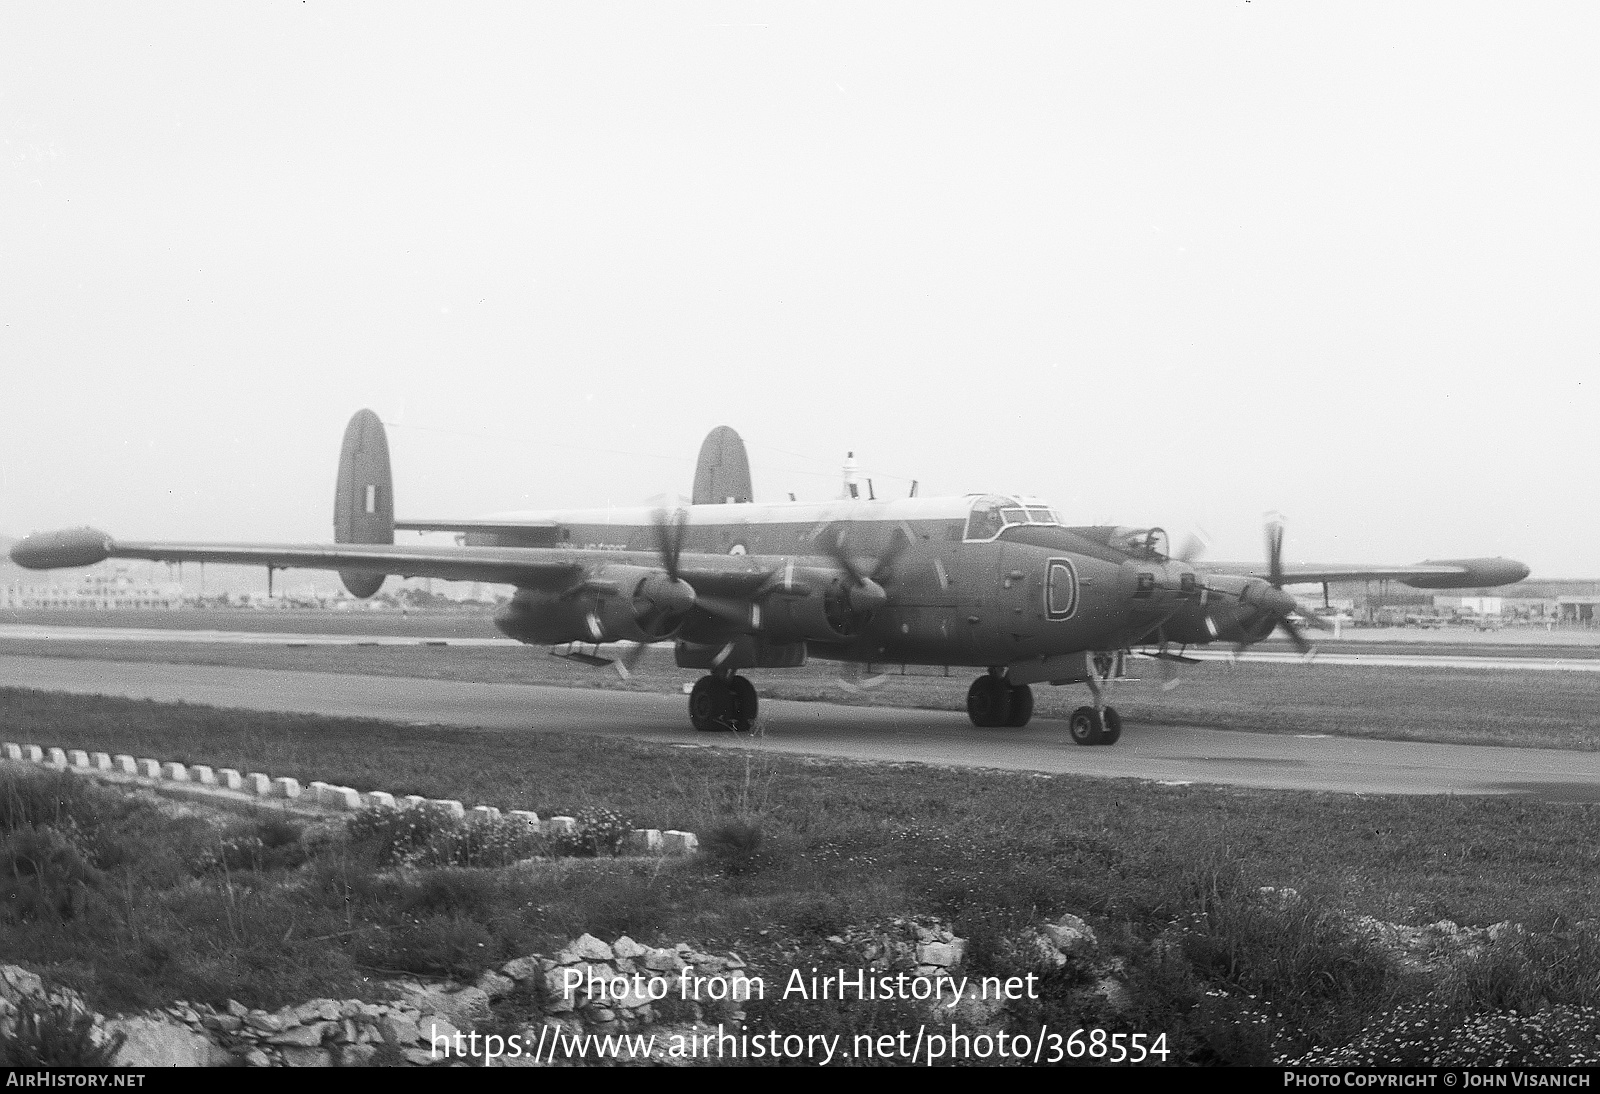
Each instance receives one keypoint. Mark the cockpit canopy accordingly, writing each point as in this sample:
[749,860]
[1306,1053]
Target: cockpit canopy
[1142,543]
[992,514]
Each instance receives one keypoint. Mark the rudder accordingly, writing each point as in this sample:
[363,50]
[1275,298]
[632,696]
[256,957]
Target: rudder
[723,471]
[363,504]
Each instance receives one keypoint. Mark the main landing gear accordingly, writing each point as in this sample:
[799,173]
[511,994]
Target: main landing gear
[992,701]
[723,704]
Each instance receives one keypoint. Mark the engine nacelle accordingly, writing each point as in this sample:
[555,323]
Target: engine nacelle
[1234,609]
[618,604]
[824,616]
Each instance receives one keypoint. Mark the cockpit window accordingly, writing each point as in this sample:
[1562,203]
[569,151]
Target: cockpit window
[993,513]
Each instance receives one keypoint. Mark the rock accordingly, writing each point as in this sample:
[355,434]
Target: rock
[149,1043]
[237,1009]
[496,986]
[663,961]
[941,954]
[325,1009]
[356,1055]
[419,1056]
[439,1036]
[266,1023]
[17,984]
[307,1057]
[1070,935]
[399,1030]
[590,948]
[522,968]
[302,1036]
[465,1008]
[256,1058]
[627,948]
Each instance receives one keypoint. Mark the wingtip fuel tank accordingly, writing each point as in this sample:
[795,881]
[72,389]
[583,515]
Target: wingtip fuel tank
[63,549]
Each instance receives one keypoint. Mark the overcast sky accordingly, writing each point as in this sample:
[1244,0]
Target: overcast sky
[1160,263]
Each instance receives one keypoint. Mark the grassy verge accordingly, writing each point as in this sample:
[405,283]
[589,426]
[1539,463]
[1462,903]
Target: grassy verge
[1167,876]
[1459,706]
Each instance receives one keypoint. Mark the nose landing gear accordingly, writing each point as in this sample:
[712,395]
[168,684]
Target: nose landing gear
[723,704]
[1098,724]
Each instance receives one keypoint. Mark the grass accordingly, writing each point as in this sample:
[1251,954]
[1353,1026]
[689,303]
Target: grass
[805,849]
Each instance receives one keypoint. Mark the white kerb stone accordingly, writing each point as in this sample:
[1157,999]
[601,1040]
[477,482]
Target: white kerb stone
[413,801]
[229,779]
[202,774]
[78,758]
[11,750]
[58,758]
[285,787]
[100,761]
[33,754]
[527,817]
[485,814]
[150,769]
[377,799]
[174,772]
[643,841]
[127,765]
[561,826]
[339,797]
[449,807]
[258,784]
[679,843]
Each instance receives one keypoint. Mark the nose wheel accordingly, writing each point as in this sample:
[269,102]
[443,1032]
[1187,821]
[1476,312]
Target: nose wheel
[1095,727]
[723,704]
[992,702]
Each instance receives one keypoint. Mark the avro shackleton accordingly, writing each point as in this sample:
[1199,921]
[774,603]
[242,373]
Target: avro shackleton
[994,581]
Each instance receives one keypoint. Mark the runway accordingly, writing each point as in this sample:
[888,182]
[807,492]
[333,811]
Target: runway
[1387,659]
[1160,753]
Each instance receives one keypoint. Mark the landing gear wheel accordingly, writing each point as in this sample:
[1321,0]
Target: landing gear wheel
[1021,705]
[989,702]
[1086,727]
[711,705]
[745,704]
[1113,724]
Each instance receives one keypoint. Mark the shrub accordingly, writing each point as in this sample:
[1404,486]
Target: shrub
[599,832]
[43,874]
[35,798]
[43,1036]
[735,847]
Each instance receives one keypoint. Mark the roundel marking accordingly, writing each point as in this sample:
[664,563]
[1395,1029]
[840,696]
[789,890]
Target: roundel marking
[1060,589]
[736,549]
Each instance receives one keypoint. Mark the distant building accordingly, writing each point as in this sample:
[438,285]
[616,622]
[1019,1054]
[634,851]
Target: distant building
[1578,609]
[96,591]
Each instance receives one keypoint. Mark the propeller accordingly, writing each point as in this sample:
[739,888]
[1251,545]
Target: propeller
[866,590]
[664,595]
[1276,603]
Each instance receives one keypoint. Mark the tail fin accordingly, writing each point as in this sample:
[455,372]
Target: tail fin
[363,506]
[723,473]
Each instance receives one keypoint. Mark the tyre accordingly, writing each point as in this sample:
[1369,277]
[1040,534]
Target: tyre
[989,701]
[1021,705]
[1086,726]
[710,705]
[1113,727]
[745,704]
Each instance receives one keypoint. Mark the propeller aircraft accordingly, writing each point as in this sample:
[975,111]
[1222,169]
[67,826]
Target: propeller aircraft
[994,581]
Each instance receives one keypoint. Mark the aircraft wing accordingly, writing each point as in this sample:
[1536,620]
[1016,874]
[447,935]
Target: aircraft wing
[525,567]
[1454,573]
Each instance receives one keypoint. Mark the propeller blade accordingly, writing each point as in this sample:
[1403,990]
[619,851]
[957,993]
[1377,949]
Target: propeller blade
[628,662]
[1311,617]
[670,532]
[1275,549]
[1194,546]
[1299,640]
